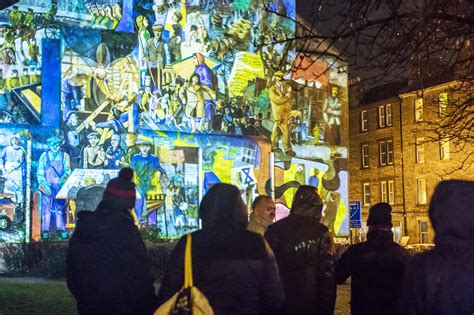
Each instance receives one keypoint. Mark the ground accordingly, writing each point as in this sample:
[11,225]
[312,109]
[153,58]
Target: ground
[40,296]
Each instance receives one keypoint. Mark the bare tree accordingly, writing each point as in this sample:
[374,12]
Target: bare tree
[425,42]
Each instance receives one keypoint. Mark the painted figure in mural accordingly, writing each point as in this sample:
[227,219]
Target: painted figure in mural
[143,37]
[25,77]
[180,207]
[49,16]
[145,165]
[13,81]
[35,77]
[178,102]
[175,43]
[71,91]
[314,178]
[94,154]
[114,153]
[13,166]
[280,99]
[74,139]
[332,112]
[131,149]
[197,93]
[209,79]
[53,170]
[156,55]
[29,19]
[3,91]
[33,52]
[15,17]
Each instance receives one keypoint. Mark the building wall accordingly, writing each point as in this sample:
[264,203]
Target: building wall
[405,170]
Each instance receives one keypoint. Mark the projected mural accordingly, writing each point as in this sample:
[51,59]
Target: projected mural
[187,93]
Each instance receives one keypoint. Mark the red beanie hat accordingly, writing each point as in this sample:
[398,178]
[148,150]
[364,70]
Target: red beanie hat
[122,186]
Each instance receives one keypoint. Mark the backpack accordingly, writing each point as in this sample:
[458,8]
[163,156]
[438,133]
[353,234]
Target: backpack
[188,300]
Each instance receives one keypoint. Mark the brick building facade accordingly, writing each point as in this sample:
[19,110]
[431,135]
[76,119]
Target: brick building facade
[393,157]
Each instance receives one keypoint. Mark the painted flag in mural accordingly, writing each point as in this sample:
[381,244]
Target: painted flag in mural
[247,66]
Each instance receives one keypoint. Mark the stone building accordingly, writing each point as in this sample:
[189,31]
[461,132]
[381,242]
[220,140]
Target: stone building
[397,157]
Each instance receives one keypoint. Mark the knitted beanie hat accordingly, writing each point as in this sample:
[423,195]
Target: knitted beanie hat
[122,186]
[380,214]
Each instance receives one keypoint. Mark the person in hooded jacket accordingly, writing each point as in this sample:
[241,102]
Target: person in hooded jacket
[108,270]
[441,281]
[376,266]
[234,268]
[304,251]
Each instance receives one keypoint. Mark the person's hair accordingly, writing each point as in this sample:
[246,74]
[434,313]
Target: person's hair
[307,202]
[196,75]
[223,204]
[259,200]
[194,27]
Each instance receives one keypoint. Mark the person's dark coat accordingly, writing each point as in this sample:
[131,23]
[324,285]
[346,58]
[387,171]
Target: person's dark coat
[304,251]
[376,269]
[234,268]
[441,281]
[108,268]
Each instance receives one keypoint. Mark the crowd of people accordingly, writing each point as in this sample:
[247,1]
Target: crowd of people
[286,267]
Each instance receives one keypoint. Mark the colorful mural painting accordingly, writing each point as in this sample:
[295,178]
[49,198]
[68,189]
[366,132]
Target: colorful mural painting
[186,93]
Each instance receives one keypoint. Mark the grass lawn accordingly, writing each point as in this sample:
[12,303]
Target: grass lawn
[35,297]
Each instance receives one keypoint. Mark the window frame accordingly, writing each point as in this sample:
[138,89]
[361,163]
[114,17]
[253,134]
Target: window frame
[420,150]
[364,158]
[444,152]
[364,123]
[391,191]
[419,109]
[383,191]
[388,113]
[366,194]
[442,104]
[421,193]
[423,232]
[385,152]
[381,116]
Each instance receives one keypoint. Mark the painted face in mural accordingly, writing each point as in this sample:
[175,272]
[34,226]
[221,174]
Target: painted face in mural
[144,149]
[195,79]
[15,142]
[93,141]
[334,91]
[74,119]
[54,146]
[115,140]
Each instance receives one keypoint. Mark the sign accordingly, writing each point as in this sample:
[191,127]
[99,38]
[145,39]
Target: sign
[355,220]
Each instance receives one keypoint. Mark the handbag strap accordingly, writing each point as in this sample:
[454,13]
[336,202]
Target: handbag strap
[188,263]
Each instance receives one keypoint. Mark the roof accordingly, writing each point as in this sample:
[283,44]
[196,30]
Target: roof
[383,92]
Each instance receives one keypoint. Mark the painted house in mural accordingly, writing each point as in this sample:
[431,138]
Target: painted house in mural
[187,94]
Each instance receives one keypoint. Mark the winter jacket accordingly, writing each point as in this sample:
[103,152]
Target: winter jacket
[234,268]
[108,268]
[304,251]
[441,281]
[376,269]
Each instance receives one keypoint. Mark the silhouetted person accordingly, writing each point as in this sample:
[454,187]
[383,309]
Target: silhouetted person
[107,268]
[376,266]
[262,215]
[234,268]
[441,281]
[304,251]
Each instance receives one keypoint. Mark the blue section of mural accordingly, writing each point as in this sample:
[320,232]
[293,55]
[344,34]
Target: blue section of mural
[187,94]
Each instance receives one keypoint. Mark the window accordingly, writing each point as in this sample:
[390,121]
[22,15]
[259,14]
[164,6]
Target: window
[366,192]
[420,150]
[419,109]
[388,114]
[387,193]
[397,231]
[381,116]
[364,156]
[444,149]
[386,152]
[421,191]
[383,191]
[442,103]
[423,232]
[391,192]
[364,120]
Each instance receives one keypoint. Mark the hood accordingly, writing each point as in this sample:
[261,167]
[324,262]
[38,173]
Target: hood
[452,213]
[307,202]
[223,205]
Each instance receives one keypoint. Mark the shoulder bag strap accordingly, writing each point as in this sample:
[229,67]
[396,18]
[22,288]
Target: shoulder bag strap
[188,263]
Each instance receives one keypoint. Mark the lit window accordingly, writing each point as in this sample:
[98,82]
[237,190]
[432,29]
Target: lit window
[388,114]
[421,191]
[365,156]
[420,150]
[386,152]
[442,103]
[444,149]
[397,231]
[383,191]
[366,190]
[381,116]
[391,192]
[364,120]
[423,232]
[419,109]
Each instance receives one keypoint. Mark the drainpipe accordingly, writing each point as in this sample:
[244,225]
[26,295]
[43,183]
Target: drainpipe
[405,226]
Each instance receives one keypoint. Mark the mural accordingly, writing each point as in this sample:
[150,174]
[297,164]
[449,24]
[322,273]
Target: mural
[186,93]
